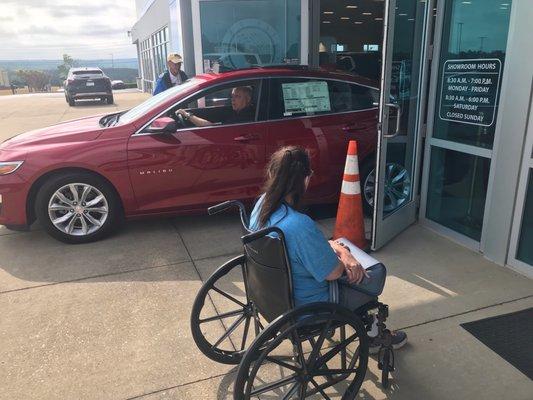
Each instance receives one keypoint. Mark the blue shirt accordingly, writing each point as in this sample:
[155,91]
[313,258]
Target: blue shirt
[312,258]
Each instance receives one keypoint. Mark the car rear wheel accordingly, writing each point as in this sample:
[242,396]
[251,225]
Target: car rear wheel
[110,99]
[77,207]
[397,186]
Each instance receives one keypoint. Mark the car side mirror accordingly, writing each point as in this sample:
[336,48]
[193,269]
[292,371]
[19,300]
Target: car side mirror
[162,125]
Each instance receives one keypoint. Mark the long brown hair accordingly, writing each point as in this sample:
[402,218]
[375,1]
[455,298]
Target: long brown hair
[285,180]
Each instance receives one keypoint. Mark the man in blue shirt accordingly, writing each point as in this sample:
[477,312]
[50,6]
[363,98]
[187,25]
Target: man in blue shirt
[172,76]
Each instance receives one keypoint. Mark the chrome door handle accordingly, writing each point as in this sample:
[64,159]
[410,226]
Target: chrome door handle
[247,138]
[398,120]
[350,127]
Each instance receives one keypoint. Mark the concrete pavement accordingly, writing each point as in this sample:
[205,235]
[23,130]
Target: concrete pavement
[110,320]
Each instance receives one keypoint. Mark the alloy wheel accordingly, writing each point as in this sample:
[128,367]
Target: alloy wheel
[78,209]
[397,187]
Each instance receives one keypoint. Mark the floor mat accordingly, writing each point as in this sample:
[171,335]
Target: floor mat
[510,336]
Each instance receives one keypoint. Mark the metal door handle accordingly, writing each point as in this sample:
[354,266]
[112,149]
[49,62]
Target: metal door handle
[246,138]
[398,119]
[350,127]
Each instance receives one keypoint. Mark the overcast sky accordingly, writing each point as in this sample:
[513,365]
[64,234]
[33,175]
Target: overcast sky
[45,29]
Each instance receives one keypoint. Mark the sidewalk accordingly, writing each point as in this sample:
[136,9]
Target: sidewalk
[110,320]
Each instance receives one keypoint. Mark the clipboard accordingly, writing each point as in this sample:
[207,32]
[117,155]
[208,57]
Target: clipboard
[364,259]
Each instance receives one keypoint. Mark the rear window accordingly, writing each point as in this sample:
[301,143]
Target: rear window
[88,72]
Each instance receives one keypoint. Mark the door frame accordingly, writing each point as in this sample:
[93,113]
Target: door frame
[527,169]
[385,229]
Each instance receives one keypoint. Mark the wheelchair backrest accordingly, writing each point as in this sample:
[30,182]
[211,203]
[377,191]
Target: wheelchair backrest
[268,272]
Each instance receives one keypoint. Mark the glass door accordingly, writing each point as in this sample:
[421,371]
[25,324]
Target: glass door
[521,251]
[402,107]
[470,50]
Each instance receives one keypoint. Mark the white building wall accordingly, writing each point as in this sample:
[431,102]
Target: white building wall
[156,17]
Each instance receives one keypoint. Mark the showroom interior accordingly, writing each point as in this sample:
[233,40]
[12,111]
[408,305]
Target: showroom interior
[455,74]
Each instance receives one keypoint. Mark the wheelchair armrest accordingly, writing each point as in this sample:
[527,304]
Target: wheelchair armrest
[261,233]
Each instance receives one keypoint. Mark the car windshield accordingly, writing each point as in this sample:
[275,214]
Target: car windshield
[156,100]
[88,72]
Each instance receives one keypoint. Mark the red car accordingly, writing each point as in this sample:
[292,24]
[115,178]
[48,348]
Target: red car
[80,178]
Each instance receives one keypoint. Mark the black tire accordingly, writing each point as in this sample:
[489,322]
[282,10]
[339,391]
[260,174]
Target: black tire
[223,352]
[110,99]
[71,101]
[110,223]
[66,98]
[268,350]
[366,168]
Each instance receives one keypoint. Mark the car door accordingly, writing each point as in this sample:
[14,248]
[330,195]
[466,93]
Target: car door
[192,167]
[319,114]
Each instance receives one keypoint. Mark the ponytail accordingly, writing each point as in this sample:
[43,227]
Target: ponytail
[286,173]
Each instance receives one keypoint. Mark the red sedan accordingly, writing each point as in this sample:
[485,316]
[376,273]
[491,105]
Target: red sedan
[80,178]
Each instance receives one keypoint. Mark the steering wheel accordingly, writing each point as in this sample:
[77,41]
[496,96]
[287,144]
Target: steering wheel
[180,120]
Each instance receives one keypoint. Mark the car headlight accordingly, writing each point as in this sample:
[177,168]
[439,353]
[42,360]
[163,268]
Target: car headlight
[9,167]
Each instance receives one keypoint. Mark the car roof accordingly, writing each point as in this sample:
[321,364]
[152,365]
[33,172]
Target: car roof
[294,70]
[85,69]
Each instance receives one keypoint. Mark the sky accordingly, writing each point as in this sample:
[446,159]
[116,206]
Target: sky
[46,29]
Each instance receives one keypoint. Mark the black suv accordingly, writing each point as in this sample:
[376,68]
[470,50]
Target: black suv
[87,83]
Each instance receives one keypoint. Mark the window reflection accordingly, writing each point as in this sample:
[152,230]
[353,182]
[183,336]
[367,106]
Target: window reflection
[473,30]
[350,37]
[242,33]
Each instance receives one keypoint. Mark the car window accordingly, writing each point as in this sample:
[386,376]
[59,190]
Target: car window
[363,97]
[294,97]
[297,97]
[156,100]
[215,105]
[88,72]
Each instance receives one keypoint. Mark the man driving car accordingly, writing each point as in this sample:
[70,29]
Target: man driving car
[241,105]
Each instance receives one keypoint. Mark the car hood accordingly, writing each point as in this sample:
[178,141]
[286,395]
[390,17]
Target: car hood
[82,129]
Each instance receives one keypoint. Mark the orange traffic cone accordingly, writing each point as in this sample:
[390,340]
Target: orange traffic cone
[350,223]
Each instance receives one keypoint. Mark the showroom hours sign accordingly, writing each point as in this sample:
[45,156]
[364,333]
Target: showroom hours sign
[469,91]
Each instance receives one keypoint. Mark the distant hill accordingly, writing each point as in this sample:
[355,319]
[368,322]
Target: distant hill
[43,65]
[125,69]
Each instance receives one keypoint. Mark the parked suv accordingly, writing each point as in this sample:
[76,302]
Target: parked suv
[87,83]
[80,178]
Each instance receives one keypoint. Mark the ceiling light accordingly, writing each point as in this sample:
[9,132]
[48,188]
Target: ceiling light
[345,18]
[378,19]
[367,13]
[328,12]
[402,15]
[467,2]
[326,22]
[505,4]
[351,6]
[358,22]
[411,19]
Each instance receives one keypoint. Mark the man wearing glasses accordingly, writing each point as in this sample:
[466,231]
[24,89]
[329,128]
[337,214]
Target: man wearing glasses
[242,109]
[172,76]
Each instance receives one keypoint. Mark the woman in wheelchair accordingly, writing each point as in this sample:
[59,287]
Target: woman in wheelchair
[321,271]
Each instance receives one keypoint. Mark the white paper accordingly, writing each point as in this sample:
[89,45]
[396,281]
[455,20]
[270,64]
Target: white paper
[364,259]
[305,97]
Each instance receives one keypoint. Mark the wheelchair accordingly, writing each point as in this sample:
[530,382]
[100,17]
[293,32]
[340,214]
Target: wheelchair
[283,351]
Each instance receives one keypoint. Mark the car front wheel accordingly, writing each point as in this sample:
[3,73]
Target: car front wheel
[77,207]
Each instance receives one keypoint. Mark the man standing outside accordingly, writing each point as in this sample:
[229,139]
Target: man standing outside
[172,76]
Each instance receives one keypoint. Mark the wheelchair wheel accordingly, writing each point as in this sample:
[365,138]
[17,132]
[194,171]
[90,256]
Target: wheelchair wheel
[223,321]
[292,358]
